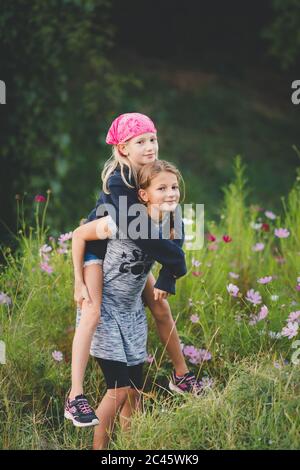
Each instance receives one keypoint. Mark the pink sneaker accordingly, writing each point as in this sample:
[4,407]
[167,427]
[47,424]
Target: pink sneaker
[80,412]
[185,384]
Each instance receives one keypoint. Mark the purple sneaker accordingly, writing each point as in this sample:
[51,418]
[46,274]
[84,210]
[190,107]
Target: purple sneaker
[185,384]
[80,412]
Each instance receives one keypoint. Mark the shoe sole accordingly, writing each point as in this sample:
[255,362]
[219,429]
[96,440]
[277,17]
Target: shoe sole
[176,389]
[80,425]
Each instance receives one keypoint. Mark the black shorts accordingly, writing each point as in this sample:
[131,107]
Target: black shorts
[119,374]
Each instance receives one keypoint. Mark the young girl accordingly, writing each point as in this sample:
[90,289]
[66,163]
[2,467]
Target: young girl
[119,343]
[134,141]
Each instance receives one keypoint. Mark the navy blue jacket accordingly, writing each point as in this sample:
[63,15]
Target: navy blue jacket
[167,252]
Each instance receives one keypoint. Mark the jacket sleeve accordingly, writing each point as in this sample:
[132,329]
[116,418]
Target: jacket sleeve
[168,253]
[165,278]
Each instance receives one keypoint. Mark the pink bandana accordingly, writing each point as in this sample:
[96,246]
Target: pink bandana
[129,125]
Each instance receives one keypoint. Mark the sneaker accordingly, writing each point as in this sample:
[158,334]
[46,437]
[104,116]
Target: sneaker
[80,412]
[185,384]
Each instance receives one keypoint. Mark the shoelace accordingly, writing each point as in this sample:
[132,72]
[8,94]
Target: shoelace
[84,407]
[194,383]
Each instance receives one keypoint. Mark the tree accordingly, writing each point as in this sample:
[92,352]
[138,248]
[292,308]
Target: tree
[283,33]
[61,91]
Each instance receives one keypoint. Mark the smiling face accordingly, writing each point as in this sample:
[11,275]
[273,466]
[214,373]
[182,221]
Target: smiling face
[162,195]
[140,150]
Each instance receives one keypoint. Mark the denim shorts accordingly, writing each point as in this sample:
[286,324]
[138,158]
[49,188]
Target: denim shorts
[90,258]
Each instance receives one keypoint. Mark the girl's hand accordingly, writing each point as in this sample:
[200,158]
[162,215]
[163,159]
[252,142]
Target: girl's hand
[81,293]
[160,294]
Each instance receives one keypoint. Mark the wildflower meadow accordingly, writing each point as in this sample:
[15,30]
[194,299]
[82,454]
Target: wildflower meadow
[237,312]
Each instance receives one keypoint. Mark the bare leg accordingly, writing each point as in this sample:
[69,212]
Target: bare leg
[107,411]
[132,403]
[90,315]
[166,326]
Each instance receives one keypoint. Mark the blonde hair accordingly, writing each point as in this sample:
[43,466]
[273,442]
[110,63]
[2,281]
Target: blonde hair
[117,159]
[149,171]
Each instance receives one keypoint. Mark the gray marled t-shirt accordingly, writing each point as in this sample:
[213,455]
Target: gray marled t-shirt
[121,334]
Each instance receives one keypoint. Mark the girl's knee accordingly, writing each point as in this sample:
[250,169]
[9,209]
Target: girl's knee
[118,394]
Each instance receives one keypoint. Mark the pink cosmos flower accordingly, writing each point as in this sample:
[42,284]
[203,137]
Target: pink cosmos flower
[227,238]
[265,227]
[281,232]
[43,252]
[196,356]
[232,290]
[260,316]
[45,249]
[290,330]
[190,351]
[253,297]
[197,273]
[204,355]
[298,287]
[265,280]
[57,356]
[45,267]
[258,247]
[39,198]
[263,313]
[64,237]
[270,215]
[194,318]
[294,316]
[62,250]
[5,299]
[233,275]
[211,237]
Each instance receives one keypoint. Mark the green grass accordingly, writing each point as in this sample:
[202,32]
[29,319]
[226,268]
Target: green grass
[254,401]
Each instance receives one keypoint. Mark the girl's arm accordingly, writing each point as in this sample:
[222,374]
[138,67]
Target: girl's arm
[167,252]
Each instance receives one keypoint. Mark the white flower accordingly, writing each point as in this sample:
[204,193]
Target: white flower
[274,335]
[255,226]
[274,298]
